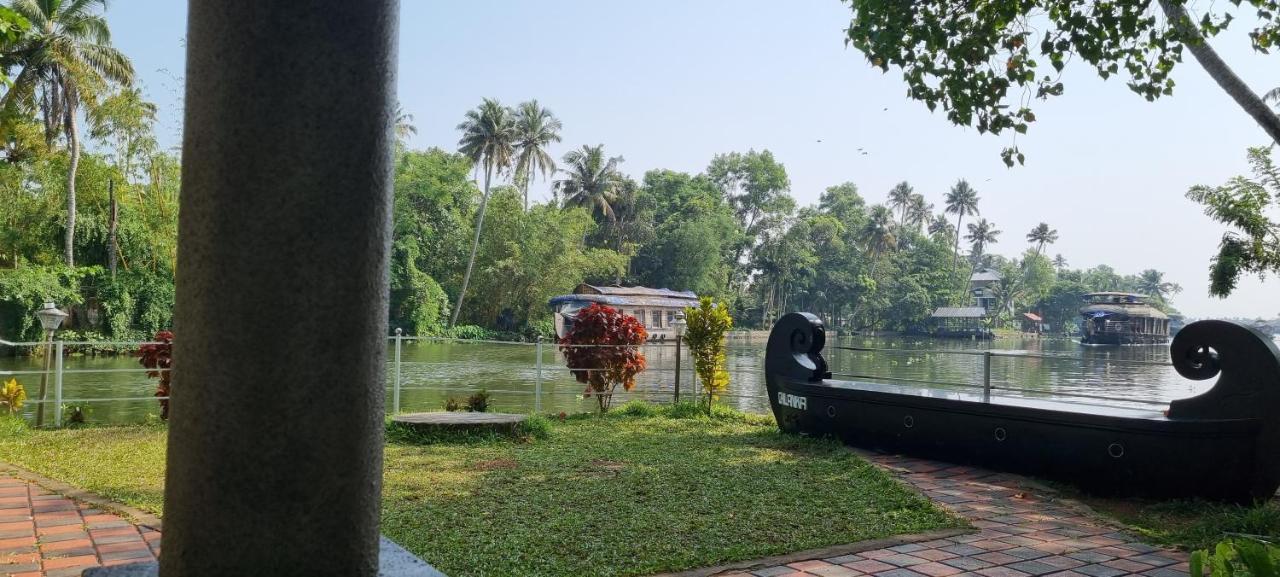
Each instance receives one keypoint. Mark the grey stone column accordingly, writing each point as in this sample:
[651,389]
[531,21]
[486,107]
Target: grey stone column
[275,437]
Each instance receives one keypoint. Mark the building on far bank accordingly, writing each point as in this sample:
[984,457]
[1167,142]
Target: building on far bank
[655,308]
[971,321]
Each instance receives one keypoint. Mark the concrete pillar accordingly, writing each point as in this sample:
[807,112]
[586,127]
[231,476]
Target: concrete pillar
[275,437]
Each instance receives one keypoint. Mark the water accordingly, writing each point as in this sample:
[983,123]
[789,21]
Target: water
[435,370]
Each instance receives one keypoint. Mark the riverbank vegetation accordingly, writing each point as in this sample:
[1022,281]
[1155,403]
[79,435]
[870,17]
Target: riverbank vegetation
[89,199]
[641,490]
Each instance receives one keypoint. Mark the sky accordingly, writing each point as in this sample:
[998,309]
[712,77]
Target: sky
[671,83]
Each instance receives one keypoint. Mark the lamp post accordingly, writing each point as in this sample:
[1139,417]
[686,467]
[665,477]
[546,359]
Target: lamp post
[50,319]
[679,325]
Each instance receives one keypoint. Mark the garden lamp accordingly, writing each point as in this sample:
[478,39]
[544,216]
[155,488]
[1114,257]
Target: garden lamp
[50,318]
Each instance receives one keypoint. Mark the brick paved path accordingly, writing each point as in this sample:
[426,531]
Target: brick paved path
[47,535]
[1020,534]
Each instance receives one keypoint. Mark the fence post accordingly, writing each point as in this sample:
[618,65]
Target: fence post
[986,376]
[395,390]
[57,385]
[677,392]
[537,378]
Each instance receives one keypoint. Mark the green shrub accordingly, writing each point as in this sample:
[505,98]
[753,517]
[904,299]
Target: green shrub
[536,427]
[686,410]
[471,333]
[707,325]
[638,408]
[12,426]
[452,405]
[478,402]
[1237,557]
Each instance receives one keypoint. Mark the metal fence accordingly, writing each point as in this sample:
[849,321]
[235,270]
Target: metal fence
[680,371]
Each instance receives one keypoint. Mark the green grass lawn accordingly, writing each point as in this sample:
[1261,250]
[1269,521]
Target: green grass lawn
[1190,524]
[626,494]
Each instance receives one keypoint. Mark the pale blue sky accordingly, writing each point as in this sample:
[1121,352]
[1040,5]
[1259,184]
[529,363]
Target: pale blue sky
[669,83]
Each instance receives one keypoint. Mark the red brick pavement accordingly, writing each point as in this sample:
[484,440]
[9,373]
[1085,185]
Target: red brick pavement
[47,535]
[1020,534]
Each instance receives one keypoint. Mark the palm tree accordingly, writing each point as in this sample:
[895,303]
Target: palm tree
[1060,262]
[66,60]
[960,201]
[488,139]
[878,236]
[591,180]
[917,212]
[980,235]
[1042,235]
[1151,282]
[900,198]
[536,129]
[941,229]
[404,124]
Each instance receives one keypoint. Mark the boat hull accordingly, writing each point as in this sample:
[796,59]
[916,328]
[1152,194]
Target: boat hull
[1223,444]
[1109,455]
[1123,339]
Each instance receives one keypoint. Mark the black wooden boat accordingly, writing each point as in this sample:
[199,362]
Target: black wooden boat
[1223,444]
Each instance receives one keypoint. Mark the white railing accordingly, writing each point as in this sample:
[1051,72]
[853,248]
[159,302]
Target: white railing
[680,371]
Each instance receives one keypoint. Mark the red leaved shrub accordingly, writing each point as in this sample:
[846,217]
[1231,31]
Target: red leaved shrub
[605,367]
[158,356]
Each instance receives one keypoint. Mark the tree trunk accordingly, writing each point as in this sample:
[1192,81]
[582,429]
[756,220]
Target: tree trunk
[1226,78]
[73,143]
[955,257]
[113,225]
[475,244]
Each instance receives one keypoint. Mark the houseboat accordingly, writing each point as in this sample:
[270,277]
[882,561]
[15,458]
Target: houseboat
[655,308]
[1113,318]
[1220,444]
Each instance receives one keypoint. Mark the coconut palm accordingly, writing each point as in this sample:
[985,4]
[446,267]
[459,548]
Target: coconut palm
[591,180]
[1059,262]
[900,198]
[404,124]
[1151,282]
[1042,235]
[917,212]
[980,235]
[488,139]
[536,129]
[940,228]
[878,236]
[961,200]
[65,62]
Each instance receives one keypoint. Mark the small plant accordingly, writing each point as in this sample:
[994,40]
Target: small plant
[478,402]
[1237,557]
[704,333]
[452,405]
[614,357]
[638,408]
[12,396]
[158,356]
[536,427]
[75,416]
